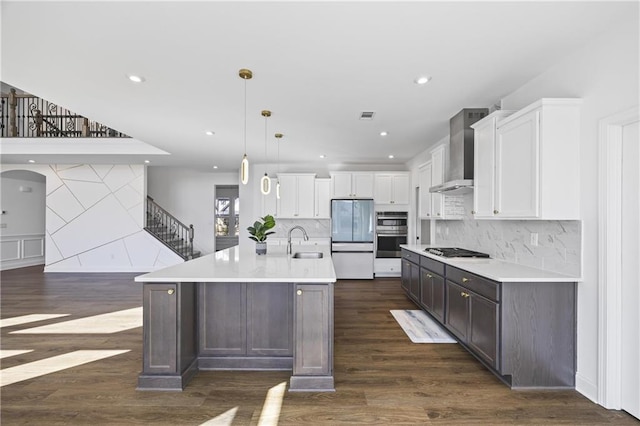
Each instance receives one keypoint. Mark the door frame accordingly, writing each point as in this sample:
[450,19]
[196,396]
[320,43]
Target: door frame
[609,258]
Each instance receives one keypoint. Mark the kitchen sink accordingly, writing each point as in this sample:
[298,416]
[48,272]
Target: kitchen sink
[308,255]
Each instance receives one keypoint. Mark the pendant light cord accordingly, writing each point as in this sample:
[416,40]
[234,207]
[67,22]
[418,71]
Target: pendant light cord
[245,116]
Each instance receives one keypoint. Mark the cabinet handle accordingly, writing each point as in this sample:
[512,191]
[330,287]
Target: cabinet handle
[429,276]
[299,292]
[170,291]
[428,214]
[496,212]
[473,212]
[438,214]
[463,294]
[392,202]
[464,280]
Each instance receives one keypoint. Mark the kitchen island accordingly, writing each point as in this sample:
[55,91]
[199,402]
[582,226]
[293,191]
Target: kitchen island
[235,310]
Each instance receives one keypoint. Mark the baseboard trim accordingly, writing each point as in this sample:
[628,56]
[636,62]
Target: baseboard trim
[21,263]
[587,388]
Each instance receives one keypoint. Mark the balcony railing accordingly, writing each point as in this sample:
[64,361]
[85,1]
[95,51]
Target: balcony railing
[28,116]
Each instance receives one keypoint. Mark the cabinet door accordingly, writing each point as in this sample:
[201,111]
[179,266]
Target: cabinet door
[517,167]
[415,281]
[483,328]
[312,330]
[437,177]
[457,312]
[426,289]
[341,183]
[223,319]
[362,185]
[405,274]
[483,170]
[305,197]
[160,333]
[425,195]
[288,196]
[383,189]
[438,297]
[400,189]
[322,202]
[270,319]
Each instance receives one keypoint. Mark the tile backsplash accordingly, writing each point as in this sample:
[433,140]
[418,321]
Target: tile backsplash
[558,249]
[316,228]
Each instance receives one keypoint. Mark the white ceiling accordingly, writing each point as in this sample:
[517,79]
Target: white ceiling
[316,66]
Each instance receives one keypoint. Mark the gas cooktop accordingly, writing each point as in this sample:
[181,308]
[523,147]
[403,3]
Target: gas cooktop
[454,252]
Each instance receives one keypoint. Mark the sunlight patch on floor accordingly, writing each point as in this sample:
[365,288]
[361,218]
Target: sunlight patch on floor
[112,322]
[30,370]
[224,419]
[272,405]
[25,319]
[6,353]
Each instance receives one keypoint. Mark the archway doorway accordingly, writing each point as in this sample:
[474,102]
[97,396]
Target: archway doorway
[23,219]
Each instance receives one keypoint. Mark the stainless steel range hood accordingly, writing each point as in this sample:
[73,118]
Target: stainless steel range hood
[459,176]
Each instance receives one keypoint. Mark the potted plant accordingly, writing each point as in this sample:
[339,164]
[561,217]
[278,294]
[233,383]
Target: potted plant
[260,231]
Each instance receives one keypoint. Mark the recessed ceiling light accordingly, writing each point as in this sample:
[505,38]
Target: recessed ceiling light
[215,167]
[31,161]
[136,78]
[383,133]
[391,156]
[146,161]
[323,156]
[423,79]
[209,133]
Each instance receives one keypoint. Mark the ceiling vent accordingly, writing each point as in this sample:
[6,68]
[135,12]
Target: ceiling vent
[367,115]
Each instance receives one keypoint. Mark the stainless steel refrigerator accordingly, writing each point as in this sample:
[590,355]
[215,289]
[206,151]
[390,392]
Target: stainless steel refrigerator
[352,237]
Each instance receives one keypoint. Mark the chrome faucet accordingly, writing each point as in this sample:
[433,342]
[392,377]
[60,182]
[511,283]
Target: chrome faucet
[304,233]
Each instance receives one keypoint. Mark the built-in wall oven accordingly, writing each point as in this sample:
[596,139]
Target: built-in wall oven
[391,231]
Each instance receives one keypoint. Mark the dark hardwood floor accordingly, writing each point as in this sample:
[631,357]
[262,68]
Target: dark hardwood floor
[381,377]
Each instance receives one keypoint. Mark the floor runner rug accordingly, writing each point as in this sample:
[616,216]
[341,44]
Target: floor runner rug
[420,327]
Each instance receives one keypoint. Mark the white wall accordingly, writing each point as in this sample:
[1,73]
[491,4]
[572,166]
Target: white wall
[95,217]
[189,196]
[605,75]
[22,228]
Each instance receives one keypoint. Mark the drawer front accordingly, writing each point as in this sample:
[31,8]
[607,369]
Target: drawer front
[411,256]
[483,286]
[432,265]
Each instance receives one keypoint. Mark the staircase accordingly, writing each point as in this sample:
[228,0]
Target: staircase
[170,231]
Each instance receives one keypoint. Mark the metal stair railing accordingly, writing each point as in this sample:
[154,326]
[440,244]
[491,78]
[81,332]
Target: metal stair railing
[169,230]
[28,116]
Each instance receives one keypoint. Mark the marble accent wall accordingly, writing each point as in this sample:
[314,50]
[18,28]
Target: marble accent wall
[558,249]
[94,219]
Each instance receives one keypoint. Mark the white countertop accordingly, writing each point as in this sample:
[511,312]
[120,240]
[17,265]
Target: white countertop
[494,269]
[236,265]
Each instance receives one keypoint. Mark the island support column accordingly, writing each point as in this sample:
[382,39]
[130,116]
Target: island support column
[170,354]
[313,338]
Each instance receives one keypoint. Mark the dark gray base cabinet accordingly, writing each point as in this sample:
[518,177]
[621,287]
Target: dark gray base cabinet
[432,289]
[524,332]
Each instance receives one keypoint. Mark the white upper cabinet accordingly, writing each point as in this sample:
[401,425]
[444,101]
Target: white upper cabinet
[297,195]
[392,188]
[537,163]
[352,184]
[322,204]
[484,164]
[424,174]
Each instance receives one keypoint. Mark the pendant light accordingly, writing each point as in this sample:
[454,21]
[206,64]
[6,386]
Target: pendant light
[265,182]
[245,74]
[278,137]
